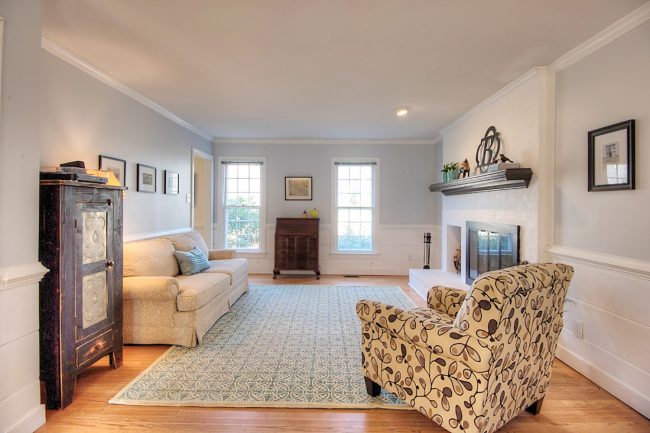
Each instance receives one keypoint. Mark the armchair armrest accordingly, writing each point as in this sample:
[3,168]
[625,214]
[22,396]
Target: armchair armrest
[446,299]
[150,288]
[222,254]
[429,331]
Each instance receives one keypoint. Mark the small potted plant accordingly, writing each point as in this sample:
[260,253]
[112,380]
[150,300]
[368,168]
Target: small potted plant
[450,171]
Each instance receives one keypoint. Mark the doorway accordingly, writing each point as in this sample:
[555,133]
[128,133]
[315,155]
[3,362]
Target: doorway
[202,194]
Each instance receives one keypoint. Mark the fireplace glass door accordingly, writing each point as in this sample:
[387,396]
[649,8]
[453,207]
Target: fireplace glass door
[490,247]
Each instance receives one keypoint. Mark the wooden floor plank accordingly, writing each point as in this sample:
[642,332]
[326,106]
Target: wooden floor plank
[573,403]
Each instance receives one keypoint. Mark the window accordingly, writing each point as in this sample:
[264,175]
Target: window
[242,203]
[355,204]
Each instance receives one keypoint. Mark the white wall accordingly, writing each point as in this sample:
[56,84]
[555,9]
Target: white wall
[406,207]
[604,235]
[20,408]
[84,118]
[516,112]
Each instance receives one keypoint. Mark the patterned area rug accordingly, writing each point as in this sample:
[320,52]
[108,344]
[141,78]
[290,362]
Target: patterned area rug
[280,346]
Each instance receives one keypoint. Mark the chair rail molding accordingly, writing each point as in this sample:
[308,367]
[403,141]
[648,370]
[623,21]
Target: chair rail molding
[21,275]
[622,265]
[142,236]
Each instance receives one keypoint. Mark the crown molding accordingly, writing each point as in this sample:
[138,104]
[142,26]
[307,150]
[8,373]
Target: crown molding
[532,73]
[318,141]
[81,64]
[609,34]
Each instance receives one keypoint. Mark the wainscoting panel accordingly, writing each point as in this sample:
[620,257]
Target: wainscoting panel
[20,408]
[607,328]
[399,247]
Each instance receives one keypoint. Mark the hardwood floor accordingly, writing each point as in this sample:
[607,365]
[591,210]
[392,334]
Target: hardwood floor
[573,403]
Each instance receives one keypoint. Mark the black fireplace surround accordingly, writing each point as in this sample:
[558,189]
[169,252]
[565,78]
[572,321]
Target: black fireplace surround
[490,247]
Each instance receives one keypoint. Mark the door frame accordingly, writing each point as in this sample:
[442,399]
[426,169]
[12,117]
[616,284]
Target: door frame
[201,154]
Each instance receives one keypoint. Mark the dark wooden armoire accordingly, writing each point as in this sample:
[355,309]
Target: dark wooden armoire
[296,245]
[81,295]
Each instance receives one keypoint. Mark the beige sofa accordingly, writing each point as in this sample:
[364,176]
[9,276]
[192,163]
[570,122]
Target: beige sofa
[163,307]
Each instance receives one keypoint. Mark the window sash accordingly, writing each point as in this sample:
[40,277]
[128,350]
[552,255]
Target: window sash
[355,192]
[239,186]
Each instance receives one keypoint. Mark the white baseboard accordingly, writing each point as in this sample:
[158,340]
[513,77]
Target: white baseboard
[618,389]
[22,403]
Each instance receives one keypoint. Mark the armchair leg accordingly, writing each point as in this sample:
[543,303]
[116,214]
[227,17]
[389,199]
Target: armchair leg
[536,407]
[373,389]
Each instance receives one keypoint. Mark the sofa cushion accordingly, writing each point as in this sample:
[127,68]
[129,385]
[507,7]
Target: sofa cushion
[187,241]
[235,268]
[150,258]
[191,262]
[182,242]
[199,289]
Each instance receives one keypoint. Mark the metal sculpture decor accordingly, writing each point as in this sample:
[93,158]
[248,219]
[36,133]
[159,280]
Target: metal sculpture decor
[427,251]
[488,150]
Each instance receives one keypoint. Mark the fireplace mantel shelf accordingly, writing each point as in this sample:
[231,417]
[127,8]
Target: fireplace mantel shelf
[510,178]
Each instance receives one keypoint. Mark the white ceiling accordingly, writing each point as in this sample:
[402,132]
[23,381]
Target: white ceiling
[322,69]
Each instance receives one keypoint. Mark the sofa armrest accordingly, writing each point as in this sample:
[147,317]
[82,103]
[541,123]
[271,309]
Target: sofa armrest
[150,288]
[429,331]
[222,254]
[446,299]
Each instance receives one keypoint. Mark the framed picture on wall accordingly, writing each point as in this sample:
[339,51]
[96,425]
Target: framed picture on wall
[611,157]
[146,178]
[171,182]
[115,165]
[297,188]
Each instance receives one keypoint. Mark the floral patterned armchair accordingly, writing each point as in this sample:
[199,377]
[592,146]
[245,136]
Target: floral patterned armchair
[473,360]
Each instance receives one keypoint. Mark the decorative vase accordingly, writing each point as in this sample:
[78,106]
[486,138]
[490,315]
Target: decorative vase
[453,175]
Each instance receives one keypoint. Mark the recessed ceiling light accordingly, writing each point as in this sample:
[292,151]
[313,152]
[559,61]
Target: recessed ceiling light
[401,112]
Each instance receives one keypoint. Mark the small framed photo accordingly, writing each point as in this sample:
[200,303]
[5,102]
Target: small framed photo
[611,157]
[171,182]
[116,165]
[146,178]
[297,188]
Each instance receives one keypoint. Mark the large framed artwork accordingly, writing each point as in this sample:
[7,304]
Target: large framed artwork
[611,157]
[297,188]
[146,178]
[116,165]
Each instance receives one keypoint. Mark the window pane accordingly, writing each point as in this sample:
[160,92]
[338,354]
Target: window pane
[366,187]
[355,186]
[231,169]
[255,171]
[255,185]
[366,172]
[355,172]
[242,185]
[243,171]
[365,215]
[343,172]
[344,186]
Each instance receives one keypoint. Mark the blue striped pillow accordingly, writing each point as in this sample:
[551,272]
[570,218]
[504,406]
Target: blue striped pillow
[192,262]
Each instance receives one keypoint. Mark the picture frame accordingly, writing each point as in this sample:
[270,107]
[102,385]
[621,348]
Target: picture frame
[146,178]
[115,165]
[171,182]
[298,188]
[611,157]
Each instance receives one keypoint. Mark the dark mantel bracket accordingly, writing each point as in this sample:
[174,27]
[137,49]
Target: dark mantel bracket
[510,178]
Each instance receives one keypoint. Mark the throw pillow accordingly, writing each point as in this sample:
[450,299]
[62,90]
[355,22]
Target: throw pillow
[192,262]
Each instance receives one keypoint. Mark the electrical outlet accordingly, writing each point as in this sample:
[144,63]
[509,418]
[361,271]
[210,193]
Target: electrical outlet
[578,329]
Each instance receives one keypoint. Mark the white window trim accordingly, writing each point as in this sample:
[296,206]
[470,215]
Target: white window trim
[221,209]
[334,216]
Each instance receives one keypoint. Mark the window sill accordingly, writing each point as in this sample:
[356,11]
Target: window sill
[251,252]
[354,253]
